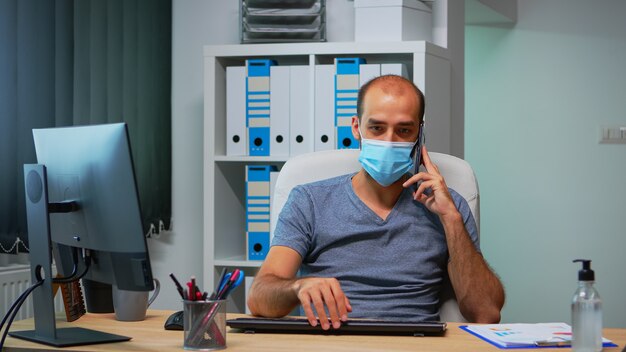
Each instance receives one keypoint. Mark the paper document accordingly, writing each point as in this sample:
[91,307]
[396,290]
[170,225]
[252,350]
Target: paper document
[526,335]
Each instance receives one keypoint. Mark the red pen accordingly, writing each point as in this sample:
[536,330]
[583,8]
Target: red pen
[193,288]
[190,292]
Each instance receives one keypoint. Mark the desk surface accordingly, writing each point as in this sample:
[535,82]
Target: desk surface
[149,335]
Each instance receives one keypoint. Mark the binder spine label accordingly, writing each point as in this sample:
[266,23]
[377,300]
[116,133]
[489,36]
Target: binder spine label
[258,106]
[346,93]
[258,210]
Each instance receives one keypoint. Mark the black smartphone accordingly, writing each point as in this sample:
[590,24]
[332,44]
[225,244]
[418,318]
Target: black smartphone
[417,149]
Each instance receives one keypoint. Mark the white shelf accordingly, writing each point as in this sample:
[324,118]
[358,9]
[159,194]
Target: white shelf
[390,50]
[250,159]
[237,262]
[224,179]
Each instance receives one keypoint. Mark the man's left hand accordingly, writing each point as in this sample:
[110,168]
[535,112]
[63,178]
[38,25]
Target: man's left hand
[432,190]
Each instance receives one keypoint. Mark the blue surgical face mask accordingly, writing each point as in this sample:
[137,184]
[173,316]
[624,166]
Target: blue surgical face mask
[385,161]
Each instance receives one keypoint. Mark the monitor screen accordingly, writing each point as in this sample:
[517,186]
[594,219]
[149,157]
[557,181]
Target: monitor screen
[93,166]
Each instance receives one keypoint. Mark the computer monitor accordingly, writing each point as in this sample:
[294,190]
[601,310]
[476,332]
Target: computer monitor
[83,194]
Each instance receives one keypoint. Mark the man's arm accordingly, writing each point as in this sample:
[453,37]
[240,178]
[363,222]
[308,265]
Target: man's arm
[478,290]
[271,293]
[275,291]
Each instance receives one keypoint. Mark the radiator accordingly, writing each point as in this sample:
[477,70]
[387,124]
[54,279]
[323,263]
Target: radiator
[15,279]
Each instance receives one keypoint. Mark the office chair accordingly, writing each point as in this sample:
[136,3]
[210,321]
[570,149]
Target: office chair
[316,166]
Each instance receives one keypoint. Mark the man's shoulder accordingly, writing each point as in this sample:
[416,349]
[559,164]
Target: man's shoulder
[322,194]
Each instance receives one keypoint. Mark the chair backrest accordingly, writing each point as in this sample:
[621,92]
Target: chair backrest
[321,165]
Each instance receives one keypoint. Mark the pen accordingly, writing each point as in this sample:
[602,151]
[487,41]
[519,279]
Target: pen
[190,292]
[227,286]
[194,288]
[179,288]
[219,283]
[552,343]
[236,283]
[223,283]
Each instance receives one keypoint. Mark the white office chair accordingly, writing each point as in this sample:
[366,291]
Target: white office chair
[316,166]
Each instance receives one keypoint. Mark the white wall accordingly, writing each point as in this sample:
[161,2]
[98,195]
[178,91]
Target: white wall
[197,23]
[194,23]
[535,97]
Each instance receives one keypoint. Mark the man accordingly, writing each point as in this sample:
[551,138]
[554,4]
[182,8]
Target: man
[377,244]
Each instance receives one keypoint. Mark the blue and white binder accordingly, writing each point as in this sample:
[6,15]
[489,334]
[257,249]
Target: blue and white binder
[236,140]
[324,124]
[258,211]
[346,93]
[279,110]
[258,106]
[301,126]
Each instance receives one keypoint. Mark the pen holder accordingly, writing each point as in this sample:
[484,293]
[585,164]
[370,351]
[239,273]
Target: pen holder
[204,325]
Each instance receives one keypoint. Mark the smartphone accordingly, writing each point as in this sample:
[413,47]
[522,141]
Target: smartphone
[417,149]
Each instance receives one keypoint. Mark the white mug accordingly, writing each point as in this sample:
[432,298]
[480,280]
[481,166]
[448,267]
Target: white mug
[132,305]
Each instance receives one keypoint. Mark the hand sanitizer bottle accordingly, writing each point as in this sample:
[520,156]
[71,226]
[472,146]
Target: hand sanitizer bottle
[586,312]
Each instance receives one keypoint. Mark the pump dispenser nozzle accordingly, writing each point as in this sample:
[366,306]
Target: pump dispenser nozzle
[585,274]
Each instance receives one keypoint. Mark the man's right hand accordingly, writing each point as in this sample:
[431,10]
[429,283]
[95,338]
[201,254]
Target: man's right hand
[276,291]
[322,292]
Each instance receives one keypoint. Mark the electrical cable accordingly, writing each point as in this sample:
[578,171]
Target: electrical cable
[74,269]
[69,279]
[15,307]
[8,313]
[22,297]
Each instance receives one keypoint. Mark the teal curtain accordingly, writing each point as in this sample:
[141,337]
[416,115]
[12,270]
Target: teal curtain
[78,62]
[122,72]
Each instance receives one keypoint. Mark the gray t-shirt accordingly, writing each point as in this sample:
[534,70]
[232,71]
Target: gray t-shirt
[391,268]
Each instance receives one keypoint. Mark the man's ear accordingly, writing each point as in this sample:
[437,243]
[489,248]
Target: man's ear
[355,128]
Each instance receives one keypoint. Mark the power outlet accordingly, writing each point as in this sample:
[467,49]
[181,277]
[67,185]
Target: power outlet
[613,134]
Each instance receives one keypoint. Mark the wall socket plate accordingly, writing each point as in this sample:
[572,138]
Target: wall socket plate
[613,134]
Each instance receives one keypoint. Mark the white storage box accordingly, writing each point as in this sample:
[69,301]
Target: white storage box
[391,20]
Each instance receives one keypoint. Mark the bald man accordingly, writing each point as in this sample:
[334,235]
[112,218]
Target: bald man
[377,243]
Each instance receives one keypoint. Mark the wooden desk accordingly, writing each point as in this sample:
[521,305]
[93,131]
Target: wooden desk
[149,335]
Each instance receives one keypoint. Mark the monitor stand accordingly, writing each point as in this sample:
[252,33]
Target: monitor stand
[66,337]
[38,217]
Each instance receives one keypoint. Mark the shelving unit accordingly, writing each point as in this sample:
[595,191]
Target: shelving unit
[224,179]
